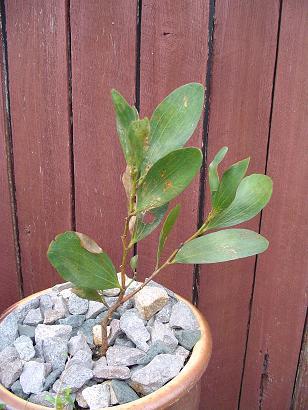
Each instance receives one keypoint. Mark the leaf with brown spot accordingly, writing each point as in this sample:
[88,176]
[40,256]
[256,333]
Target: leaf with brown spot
[75,263]
[144,228]
[173,122]
[168,177]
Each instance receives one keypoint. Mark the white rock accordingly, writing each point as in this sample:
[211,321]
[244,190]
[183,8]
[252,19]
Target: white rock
[163,333]
[97,397]
[24,346]
[95,308]
[33,377]
[33,317]
[77,343]
[55,352]
[66,293]
[182,317]
[11,373]
[58,311]
[150,300]
[182,353]
[164,314]
[62,286]
[97,334]
[8,330]
[7,355]
[77,305]
[123,356]
[115,331]
[43,332]
[159,371]
[75,376]
[135,330]
[83,358]
[102,371]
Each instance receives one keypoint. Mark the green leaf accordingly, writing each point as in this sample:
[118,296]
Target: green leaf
[125,114]
[133,262]
[79,260]
[138,136]
[229,183]
[168,177]
[174,121]
[166,229]
[213,173]
[48,397]
[253,193]
[143,229]
[222,246]
[89,294]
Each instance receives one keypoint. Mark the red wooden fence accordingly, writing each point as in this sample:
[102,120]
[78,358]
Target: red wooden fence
[60,160]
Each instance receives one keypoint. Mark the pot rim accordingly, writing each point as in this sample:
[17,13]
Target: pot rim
[170,393]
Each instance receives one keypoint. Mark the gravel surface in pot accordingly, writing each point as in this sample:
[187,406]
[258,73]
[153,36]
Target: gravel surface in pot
[48,345]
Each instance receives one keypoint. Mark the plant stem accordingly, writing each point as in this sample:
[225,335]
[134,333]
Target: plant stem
[122,298]
[105,322]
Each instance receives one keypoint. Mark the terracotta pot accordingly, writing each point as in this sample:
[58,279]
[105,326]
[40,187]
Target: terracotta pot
[181,393]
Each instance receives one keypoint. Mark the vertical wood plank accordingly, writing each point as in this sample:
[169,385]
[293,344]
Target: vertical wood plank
[37,59]
[280,298]
[245,36]
[300,396]
[10,292]
[103,57]
[173,52]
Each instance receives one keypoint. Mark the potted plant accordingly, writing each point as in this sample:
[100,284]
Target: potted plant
[103,338]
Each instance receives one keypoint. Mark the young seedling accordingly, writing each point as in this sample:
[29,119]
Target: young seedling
[159,168]
[62,400]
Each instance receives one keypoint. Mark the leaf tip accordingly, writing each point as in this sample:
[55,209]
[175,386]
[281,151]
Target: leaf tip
[88,243]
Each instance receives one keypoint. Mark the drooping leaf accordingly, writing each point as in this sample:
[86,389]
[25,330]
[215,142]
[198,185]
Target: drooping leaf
[174,121]
[229,183]
[125,114]
[213,172]
[89,294]
[222,246]
[166,229]
[168,177]
[138,136]
[133,262]
[143,228]
[252,195]
[78,259]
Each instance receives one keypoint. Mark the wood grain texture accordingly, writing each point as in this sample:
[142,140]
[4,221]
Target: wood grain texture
[300,393]
[37,55]
[103,57]
[10,287]
[245,37]
[280,296]
[173,52]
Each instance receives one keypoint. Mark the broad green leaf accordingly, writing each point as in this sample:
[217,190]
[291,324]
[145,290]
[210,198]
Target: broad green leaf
[138,136]
[133,262]
[89,294]
[79,260]
[174,121]
[222,246]
[168,177]
[213,173]
[166,229]
[252,195]
[142,228]
[229,183]
[125,114]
